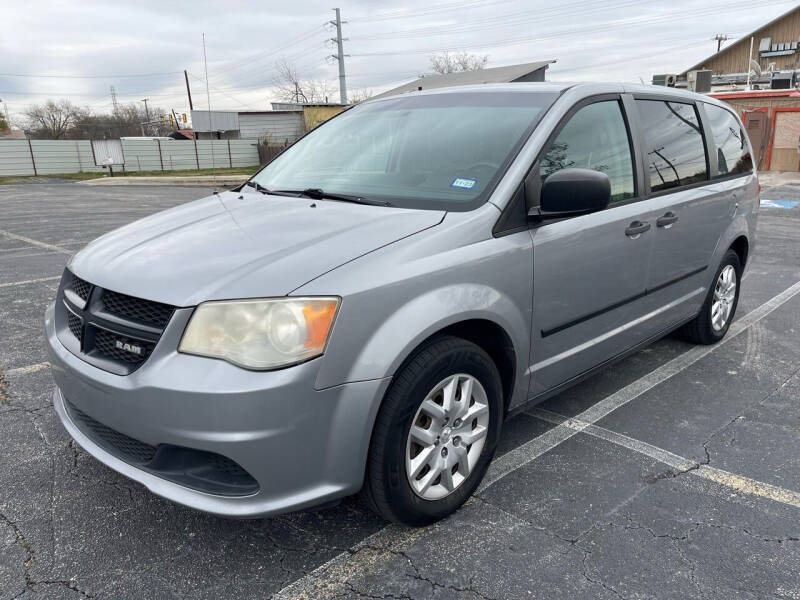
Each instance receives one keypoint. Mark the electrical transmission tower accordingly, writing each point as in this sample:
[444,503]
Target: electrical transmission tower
[340,55]
[114,102]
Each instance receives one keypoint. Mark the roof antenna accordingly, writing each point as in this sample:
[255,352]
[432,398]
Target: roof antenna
[210,118]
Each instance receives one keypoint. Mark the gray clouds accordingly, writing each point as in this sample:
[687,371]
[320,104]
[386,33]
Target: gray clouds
[390,42]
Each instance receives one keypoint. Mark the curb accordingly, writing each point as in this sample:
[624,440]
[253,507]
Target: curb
[199,181]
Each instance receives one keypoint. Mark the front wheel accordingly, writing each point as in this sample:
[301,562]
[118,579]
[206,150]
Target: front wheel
[719,308]
[435,433]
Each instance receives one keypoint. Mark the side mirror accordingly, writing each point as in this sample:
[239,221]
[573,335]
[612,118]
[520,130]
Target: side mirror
[573,192]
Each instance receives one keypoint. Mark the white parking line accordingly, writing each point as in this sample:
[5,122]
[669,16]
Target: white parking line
[32,242]
[332,576]
[679,463]
[27,281]
[536,447]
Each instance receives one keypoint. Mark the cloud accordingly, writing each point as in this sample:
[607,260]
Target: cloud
[389,43]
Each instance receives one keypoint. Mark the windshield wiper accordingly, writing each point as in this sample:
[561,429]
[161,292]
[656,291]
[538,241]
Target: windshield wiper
[318,194]
[257,186]
[260,188]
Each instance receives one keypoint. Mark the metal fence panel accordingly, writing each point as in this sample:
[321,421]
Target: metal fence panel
[62,156]
[216,150]
[244,153]
[141,155]
[52,157]
[178,154]
[15,158]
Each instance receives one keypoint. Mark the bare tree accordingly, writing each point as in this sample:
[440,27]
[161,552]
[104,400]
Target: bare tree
[359,95]
[54,119]
[445,62]
[59,120]
[291,87]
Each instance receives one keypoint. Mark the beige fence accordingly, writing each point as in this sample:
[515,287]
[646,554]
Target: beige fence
[49,157]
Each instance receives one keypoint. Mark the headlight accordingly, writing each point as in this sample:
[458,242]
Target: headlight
[260,334]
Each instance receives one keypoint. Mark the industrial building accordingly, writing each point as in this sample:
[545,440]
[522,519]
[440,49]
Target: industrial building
[533,71]
[758,76]
[282,125]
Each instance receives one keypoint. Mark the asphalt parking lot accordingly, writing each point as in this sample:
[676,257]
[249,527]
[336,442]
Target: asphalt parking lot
[672,474]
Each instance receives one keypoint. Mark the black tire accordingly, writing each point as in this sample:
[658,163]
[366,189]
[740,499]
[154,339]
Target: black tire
[700,330]
[386,488]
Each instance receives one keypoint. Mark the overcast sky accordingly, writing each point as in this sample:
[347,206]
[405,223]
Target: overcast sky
[142,47]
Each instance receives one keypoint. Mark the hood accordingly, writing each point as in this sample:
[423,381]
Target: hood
[240,245]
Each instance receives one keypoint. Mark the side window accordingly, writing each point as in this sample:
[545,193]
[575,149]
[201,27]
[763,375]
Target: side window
[733,154]
[674,146]
[595,138]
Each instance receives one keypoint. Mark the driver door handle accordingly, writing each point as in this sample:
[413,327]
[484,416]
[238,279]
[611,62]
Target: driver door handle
[667,220]
[637,228]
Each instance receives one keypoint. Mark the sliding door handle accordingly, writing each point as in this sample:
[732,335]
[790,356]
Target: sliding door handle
[667,220]
[636,229]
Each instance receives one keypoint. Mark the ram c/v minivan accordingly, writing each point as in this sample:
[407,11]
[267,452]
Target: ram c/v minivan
[365,311]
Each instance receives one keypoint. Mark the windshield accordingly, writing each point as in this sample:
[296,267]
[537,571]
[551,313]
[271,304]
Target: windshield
[439,151]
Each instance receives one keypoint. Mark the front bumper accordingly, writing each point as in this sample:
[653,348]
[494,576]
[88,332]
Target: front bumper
[303,446]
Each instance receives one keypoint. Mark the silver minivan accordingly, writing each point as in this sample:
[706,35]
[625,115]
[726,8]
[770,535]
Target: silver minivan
[365,312]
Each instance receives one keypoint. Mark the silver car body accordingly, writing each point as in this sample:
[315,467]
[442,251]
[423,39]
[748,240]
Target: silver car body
[563,299]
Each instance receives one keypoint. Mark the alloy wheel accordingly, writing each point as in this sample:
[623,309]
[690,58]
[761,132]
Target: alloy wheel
[447,436]
[724,296]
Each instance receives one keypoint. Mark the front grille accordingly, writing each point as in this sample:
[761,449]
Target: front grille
[75,325]
[113,331]
[105,342]
[152,313]
[128,448]
[197,469]
[80,287]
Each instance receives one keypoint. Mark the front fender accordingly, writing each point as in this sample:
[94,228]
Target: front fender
[415,321]
[396,297]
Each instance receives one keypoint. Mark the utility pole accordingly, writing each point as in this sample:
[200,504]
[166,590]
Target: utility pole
[114,102]
[340,55]
[147,114]
[188,89]
[719,38]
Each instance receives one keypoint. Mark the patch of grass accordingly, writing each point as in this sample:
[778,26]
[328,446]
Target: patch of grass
[120,173]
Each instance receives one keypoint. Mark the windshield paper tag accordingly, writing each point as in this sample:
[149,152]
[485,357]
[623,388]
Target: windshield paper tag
[465,184]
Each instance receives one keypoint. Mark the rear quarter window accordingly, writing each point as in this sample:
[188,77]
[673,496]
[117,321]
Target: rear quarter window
[674,147]
[733,153]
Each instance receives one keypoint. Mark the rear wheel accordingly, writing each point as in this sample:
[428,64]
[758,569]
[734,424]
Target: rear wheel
[719,308]
[435,434]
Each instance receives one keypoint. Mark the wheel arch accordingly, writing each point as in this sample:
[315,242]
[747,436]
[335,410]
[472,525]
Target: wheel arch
[489,337]
[741,246]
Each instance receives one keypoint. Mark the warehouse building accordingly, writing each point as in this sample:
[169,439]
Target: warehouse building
[280,126]
[532,71]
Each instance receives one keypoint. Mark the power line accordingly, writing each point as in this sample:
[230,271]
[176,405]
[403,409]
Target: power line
[407,13]
[37,75]
[221,92]
[595,28]
[237,64]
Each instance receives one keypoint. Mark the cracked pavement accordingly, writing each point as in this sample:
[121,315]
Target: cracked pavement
[588,519]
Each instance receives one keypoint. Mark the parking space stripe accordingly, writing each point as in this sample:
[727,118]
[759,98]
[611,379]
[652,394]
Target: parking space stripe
[334,574]
[32,242]
[27,281]
[26,370]
[533,449]
[679,463]
[330,579]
